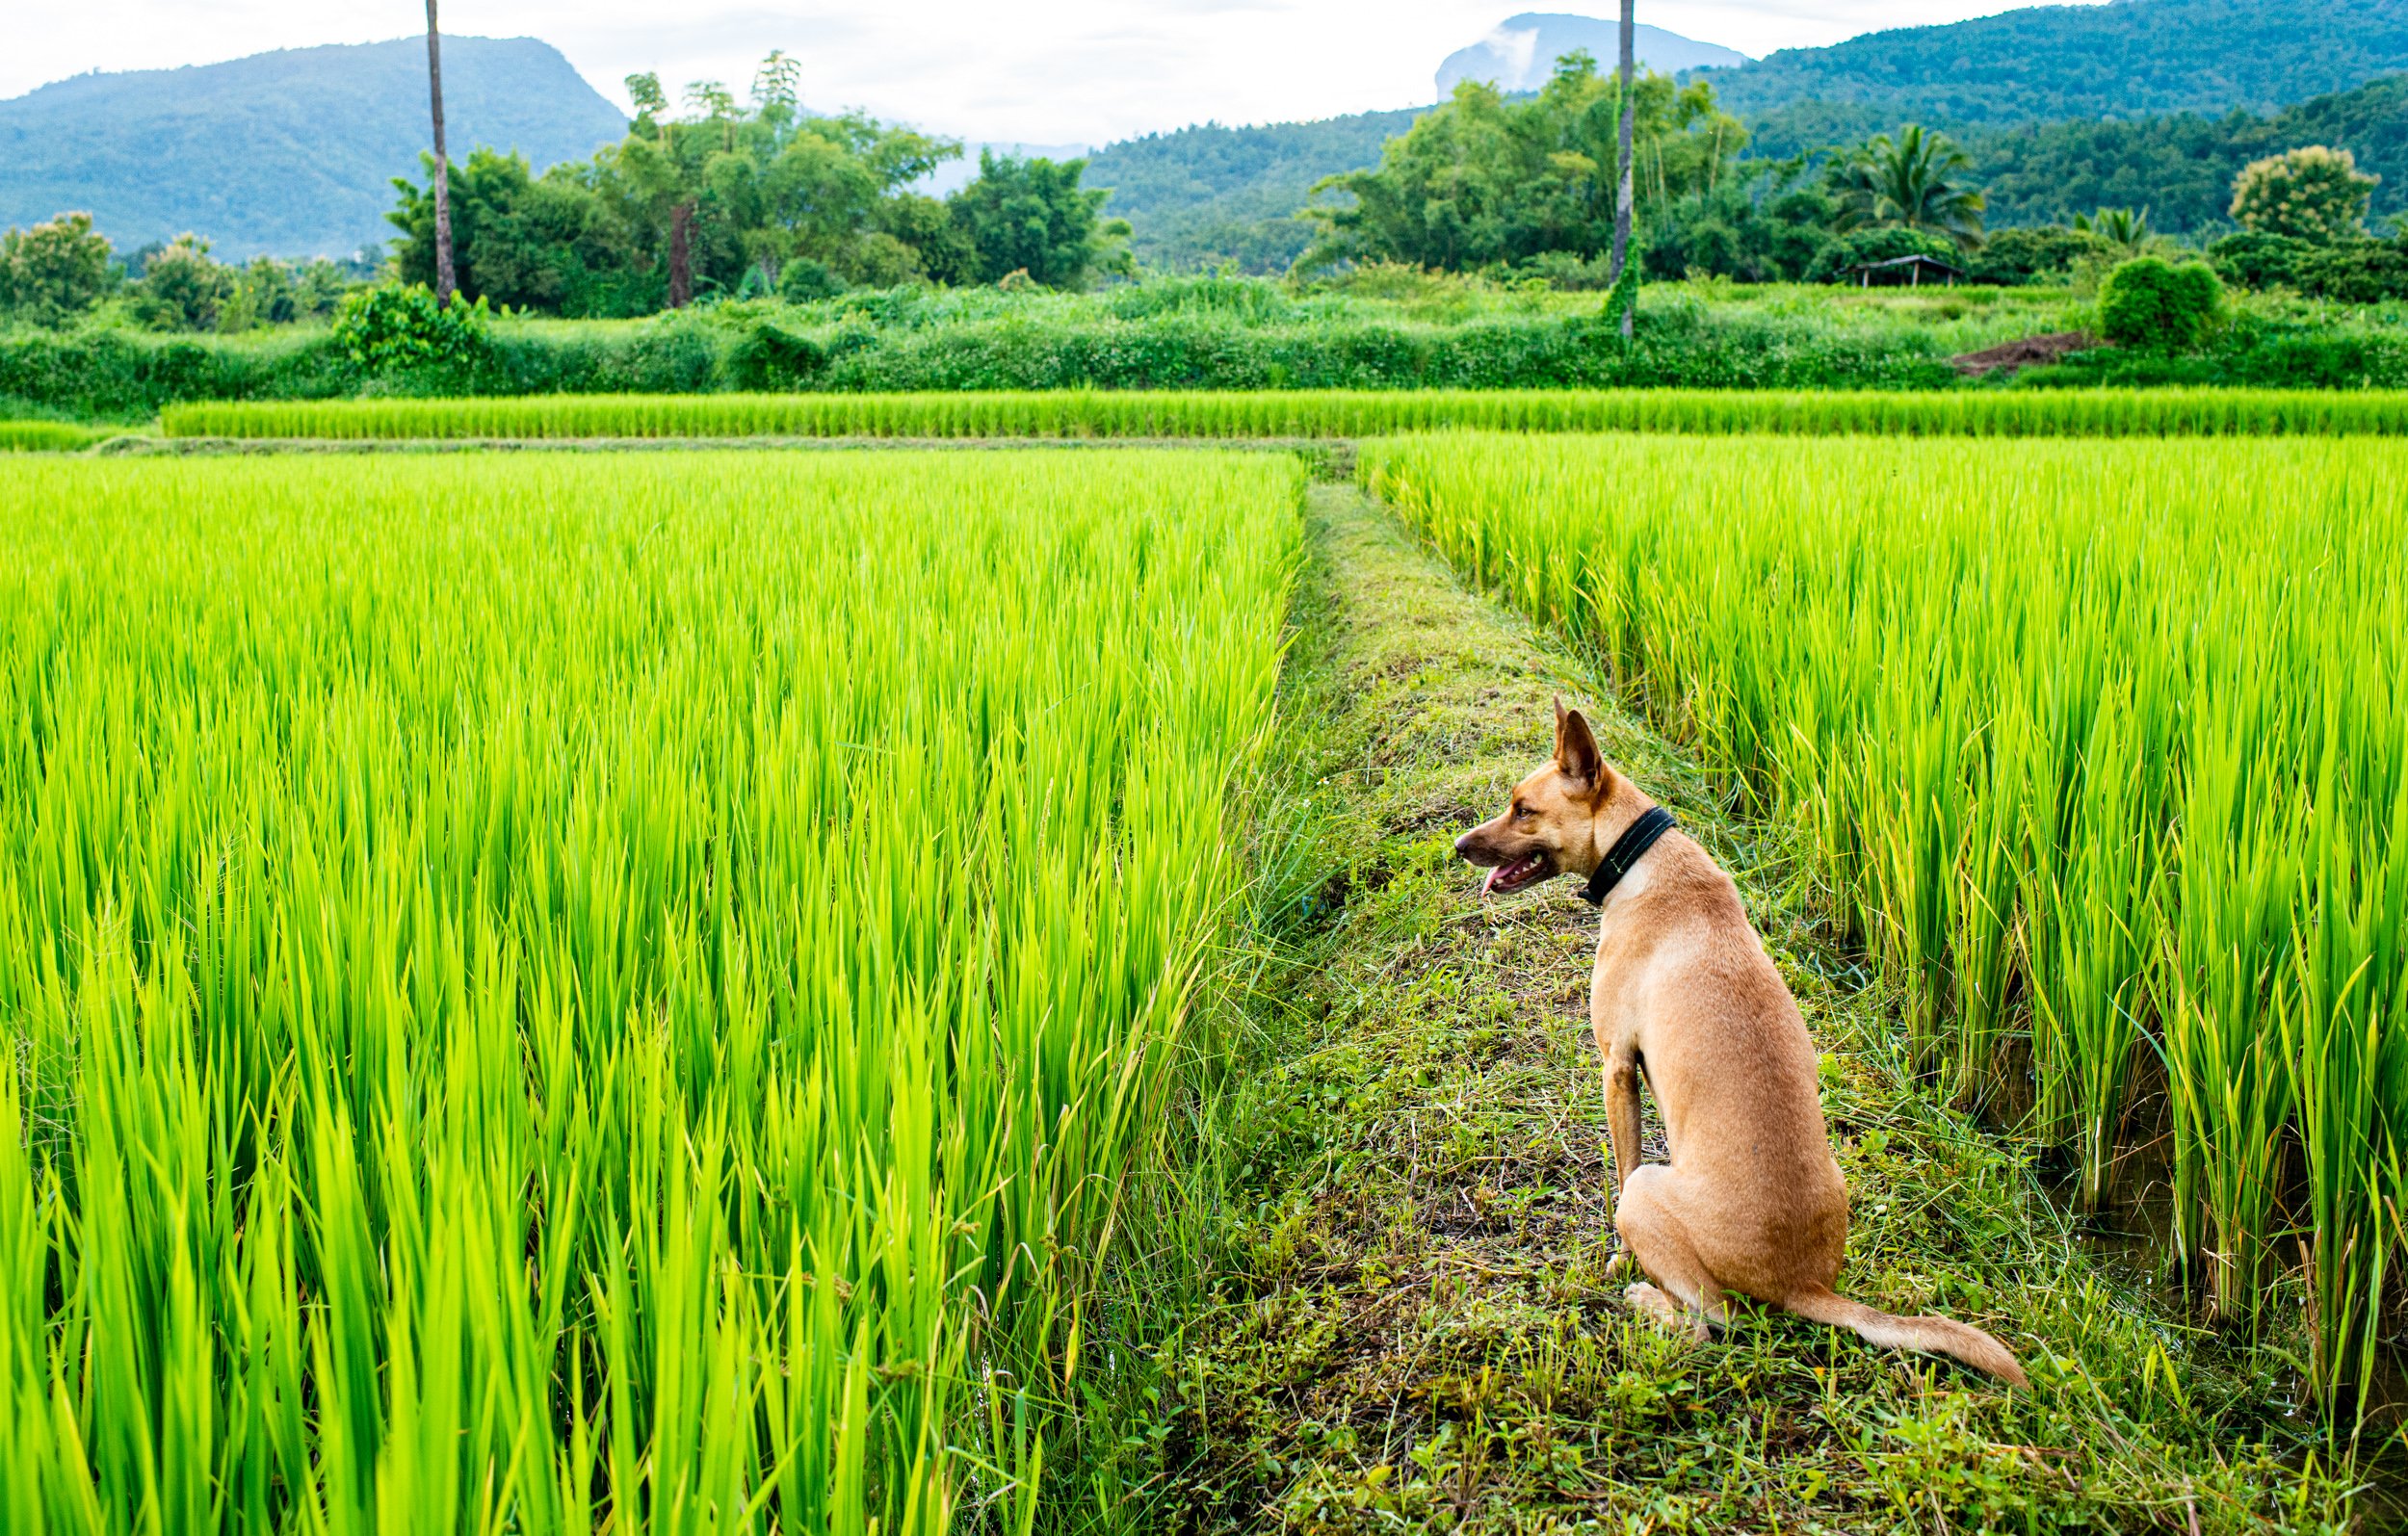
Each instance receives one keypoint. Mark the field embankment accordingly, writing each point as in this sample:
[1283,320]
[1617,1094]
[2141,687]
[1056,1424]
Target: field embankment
[626,990]
[1413,1328]
[2103,751]
[1306,413]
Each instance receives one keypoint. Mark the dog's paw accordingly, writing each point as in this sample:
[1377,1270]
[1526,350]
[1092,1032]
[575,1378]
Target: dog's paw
[1646,1299]
[1619,1266]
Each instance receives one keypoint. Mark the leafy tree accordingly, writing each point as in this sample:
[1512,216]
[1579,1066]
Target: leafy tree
[53,271]
[1910,182]
[2124,228]
[1032,217]
[2315,193]
[2355,271]
[405,328]
[1770,227]
[181,287]
[715,202]
[1487,181]
[2029,255]
[2151,305]
[2252,259]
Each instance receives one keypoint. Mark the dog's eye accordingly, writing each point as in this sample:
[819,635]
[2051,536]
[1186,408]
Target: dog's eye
[1521,811]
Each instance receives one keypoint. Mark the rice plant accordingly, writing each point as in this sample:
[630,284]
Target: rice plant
[41,436]
[576,993]
[1312,413]
[2102,748]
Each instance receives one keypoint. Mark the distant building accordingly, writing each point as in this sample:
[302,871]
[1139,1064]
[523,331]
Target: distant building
[1907,271]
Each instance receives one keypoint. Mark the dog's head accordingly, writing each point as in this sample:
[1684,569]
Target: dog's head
[1550,827]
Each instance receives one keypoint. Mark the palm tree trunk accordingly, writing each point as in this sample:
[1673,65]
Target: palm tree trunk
[445,281]
[681,256]
[1622,199]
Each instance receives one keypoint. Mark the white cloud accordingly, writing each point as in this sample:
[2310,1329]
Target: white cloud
[1048,71]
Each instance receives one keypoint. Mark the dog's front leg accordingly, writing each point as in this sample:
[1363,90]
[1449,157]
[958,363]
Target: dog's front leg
[1622,1113]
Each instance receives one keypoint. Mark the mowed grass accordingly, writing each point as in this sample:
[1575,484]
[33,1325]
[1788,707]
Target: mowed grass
[602,993]
[2103,751]
[1309,413]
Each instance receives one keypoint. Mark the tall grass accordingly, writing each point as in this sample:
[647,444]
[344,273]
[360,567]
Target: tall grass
[2103,748]
[554,995]
[38,437]
[1311,413]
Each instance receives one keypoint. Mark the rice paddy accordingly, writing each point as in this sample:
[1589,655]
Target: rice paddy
[677,991]
[2102,750]
[600,993]
[1311,413]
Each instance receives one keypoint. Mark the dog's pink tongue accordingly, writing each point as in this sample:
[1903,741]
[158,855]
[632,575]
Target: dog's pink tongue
[1489,886]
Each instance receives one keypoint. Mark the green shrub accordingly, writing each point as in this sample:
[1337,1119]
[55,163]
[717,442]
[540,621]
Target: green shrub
[767,357]
[2028,256]
[2151,305]
[2257,260]
[403,331]
[2360,272]
[802,280]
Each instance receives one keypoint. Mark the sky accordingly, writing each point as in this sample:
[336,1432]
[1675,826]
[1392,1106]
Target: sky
[1035,71]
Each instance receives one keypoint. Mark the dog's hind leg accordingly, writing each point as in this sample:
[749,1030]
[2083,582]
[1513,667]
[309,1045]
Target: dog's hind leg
[1690,1298]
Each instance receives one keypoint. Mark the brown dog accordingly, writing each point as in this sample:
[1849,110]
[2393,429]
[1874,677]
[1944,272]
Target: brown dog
[1751,1201]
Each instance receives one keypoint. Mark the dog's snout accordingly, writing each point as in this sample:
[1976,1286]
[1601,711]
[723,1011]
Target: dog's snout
[1463,845]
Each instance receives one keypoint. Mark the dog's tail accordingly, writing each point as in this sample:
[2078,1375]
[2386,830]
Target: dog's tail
[1936,1336]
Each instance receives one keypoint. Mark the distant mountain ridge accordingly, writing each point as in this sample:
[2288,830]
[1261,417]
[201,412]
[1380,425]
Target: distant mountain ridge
[2125,58]
[1521,53]
[288,153]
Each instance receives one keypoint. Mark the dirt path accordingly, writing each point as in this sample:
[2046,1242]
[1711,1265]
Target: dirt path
[1413,1330]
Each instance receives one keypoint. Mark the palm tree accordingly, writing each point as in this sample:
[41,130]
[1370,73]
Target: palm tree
[2121,227]
[445,282]
[1909,182]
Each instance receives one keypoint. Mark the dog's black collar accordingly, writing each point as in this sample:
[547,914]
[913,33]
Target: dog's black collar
[1628,849]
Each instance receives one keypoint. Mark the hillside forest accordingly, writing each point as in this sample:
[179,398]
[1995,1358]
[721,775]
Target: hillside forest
[718,201]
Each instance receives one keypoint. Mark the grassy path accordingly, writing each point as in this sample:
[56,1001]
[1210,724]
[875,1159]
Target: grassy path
[1412,1329]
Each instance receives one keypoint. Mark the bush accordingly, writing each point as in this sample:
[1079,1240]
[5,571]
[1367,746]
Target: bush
[802,280]
[2149,304]
[2362,271]
[391,330]
[2252,259]
[54,270]
[181,288]
[2028,255]
[1883,243]
[766,357]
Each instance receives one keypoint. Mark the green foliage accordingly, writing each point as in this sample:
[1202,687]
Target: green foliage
[2157,306]
[2355,271]
[802,280]
[1912,182]
[2252,260]
[1031,215]
[1877,242]
[2048,251]
[2125,229]
[2313,193]
[1768,228]
[1487,181]
[53,271]
[181,288]
[389,329]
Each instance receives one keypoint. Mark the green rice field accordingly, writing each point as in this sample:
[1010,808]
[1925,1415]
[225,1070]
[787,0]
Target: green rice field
[1310,413]
[2102,750]
[599,993]
[783,990]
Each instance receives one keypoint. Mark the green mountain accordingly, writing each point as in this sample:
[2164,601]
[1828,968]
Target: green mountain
[1206,195]
[287,153]
[2126,59]
[2181,167]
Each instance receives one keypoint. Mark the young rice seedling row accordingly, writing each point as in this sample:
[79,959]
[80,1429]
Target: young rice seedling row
[554,992]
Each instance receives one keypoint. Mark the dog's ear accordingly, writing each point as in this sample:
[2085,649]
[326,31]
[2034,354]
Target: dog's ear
[1576,749]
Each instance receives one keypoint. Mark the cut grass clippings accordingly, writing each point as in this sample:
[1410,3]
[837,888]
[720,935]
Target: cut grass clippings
[1413,1330]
